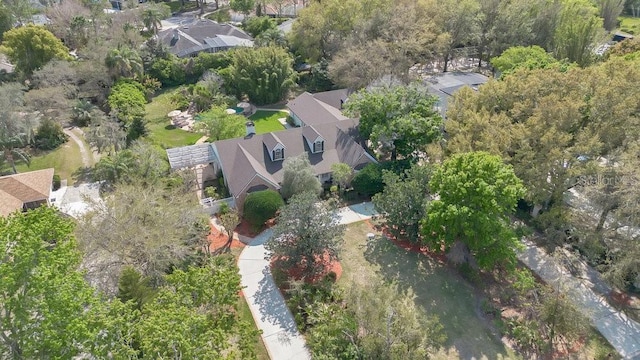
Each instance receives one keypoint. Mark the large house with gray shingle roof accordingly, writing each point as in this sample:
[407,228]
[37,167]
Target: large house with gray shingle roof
[203,35]
[255,162]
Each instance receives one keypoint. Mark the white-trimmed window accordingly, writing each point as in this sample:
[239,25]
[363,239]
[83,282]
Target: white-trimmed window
[278,154]
[318,146]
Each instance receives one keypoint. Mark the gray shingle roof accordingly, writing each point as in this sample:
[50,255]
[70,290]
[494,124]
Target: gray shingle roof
[333,98]
[446,84]
[310,133]
[312,111]
[203,35]
[244,158]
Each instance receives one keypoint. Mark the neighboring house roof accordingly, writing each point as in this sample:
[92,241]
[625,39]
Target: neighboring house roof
[319,108]
[202,35]
[19,189]
[286,26]
[446,84]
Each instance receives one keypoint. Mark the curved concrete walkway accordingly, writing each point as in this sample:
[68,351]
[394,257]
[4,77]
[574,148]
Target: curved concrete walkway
[283,340]
[622,332]
[279,332]
[86,161]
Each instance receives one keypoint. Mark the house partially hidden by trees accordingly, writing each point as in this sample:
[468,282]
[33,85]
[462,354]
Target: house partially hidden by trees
[203,35]
[25,191]
[446,84]
[255,162]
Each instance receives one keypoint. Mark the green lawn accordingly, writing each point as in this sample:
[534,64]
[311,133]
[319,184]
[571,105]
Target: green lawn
[630,24]
[161,132]
[176,6]
[267,121]
[245,314]
[65,160]
[438,290]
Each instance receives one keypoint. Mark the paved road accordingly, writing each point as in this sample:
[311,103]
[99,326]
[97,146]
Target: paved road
[279,332]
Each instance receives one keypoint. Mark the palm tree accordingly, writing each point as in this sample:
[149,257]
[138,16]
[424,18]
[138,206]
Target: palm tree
[115,167]
[16,128]
[82,113]
[152,16]
[124,62]
[12,149]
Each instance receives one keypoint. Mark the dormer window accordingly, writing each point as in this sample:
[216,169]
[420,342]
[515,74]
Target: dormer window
[318,146]
[278,154]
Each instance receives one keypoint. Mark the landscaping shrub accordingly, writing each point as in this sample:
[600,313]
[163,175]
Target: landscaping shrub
[259,24]
[49,135]
[368,181]
[169,72]
[207,61]
[224,208]
[56,182]
[150,85]
[127,100]
[526,335]
[210,192]
[261,206]
[137,128]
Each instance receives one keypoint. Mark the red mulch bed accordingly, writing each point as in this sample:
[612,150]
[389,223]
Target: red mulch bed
[296,272]
[218,239]
[246,229]
[621,298]
[409,246]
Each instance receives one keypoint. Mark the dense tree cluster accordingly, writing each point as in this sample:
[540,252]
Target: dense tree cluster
[564,130]
[398,120]
[365,40]
[44,293]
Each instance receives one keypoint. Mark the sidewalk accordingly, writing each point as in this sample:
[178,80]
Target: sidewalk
[283,340]
[622,332]
[279,332]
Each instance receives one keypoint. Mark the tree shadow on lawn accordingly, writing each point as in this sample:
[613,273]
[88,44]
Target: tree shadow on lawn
[440,292]
[83,175]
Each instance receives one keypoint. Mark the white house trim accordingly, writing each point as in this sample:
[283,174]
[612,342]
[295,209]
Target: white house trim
[244,188]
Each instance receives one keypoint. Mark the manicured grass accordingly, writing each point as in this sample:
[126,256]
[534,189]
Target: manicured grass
[161,132]
[267,121]
[176,6]
[65,160]
[438,290]
[245,314]
[630,24]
